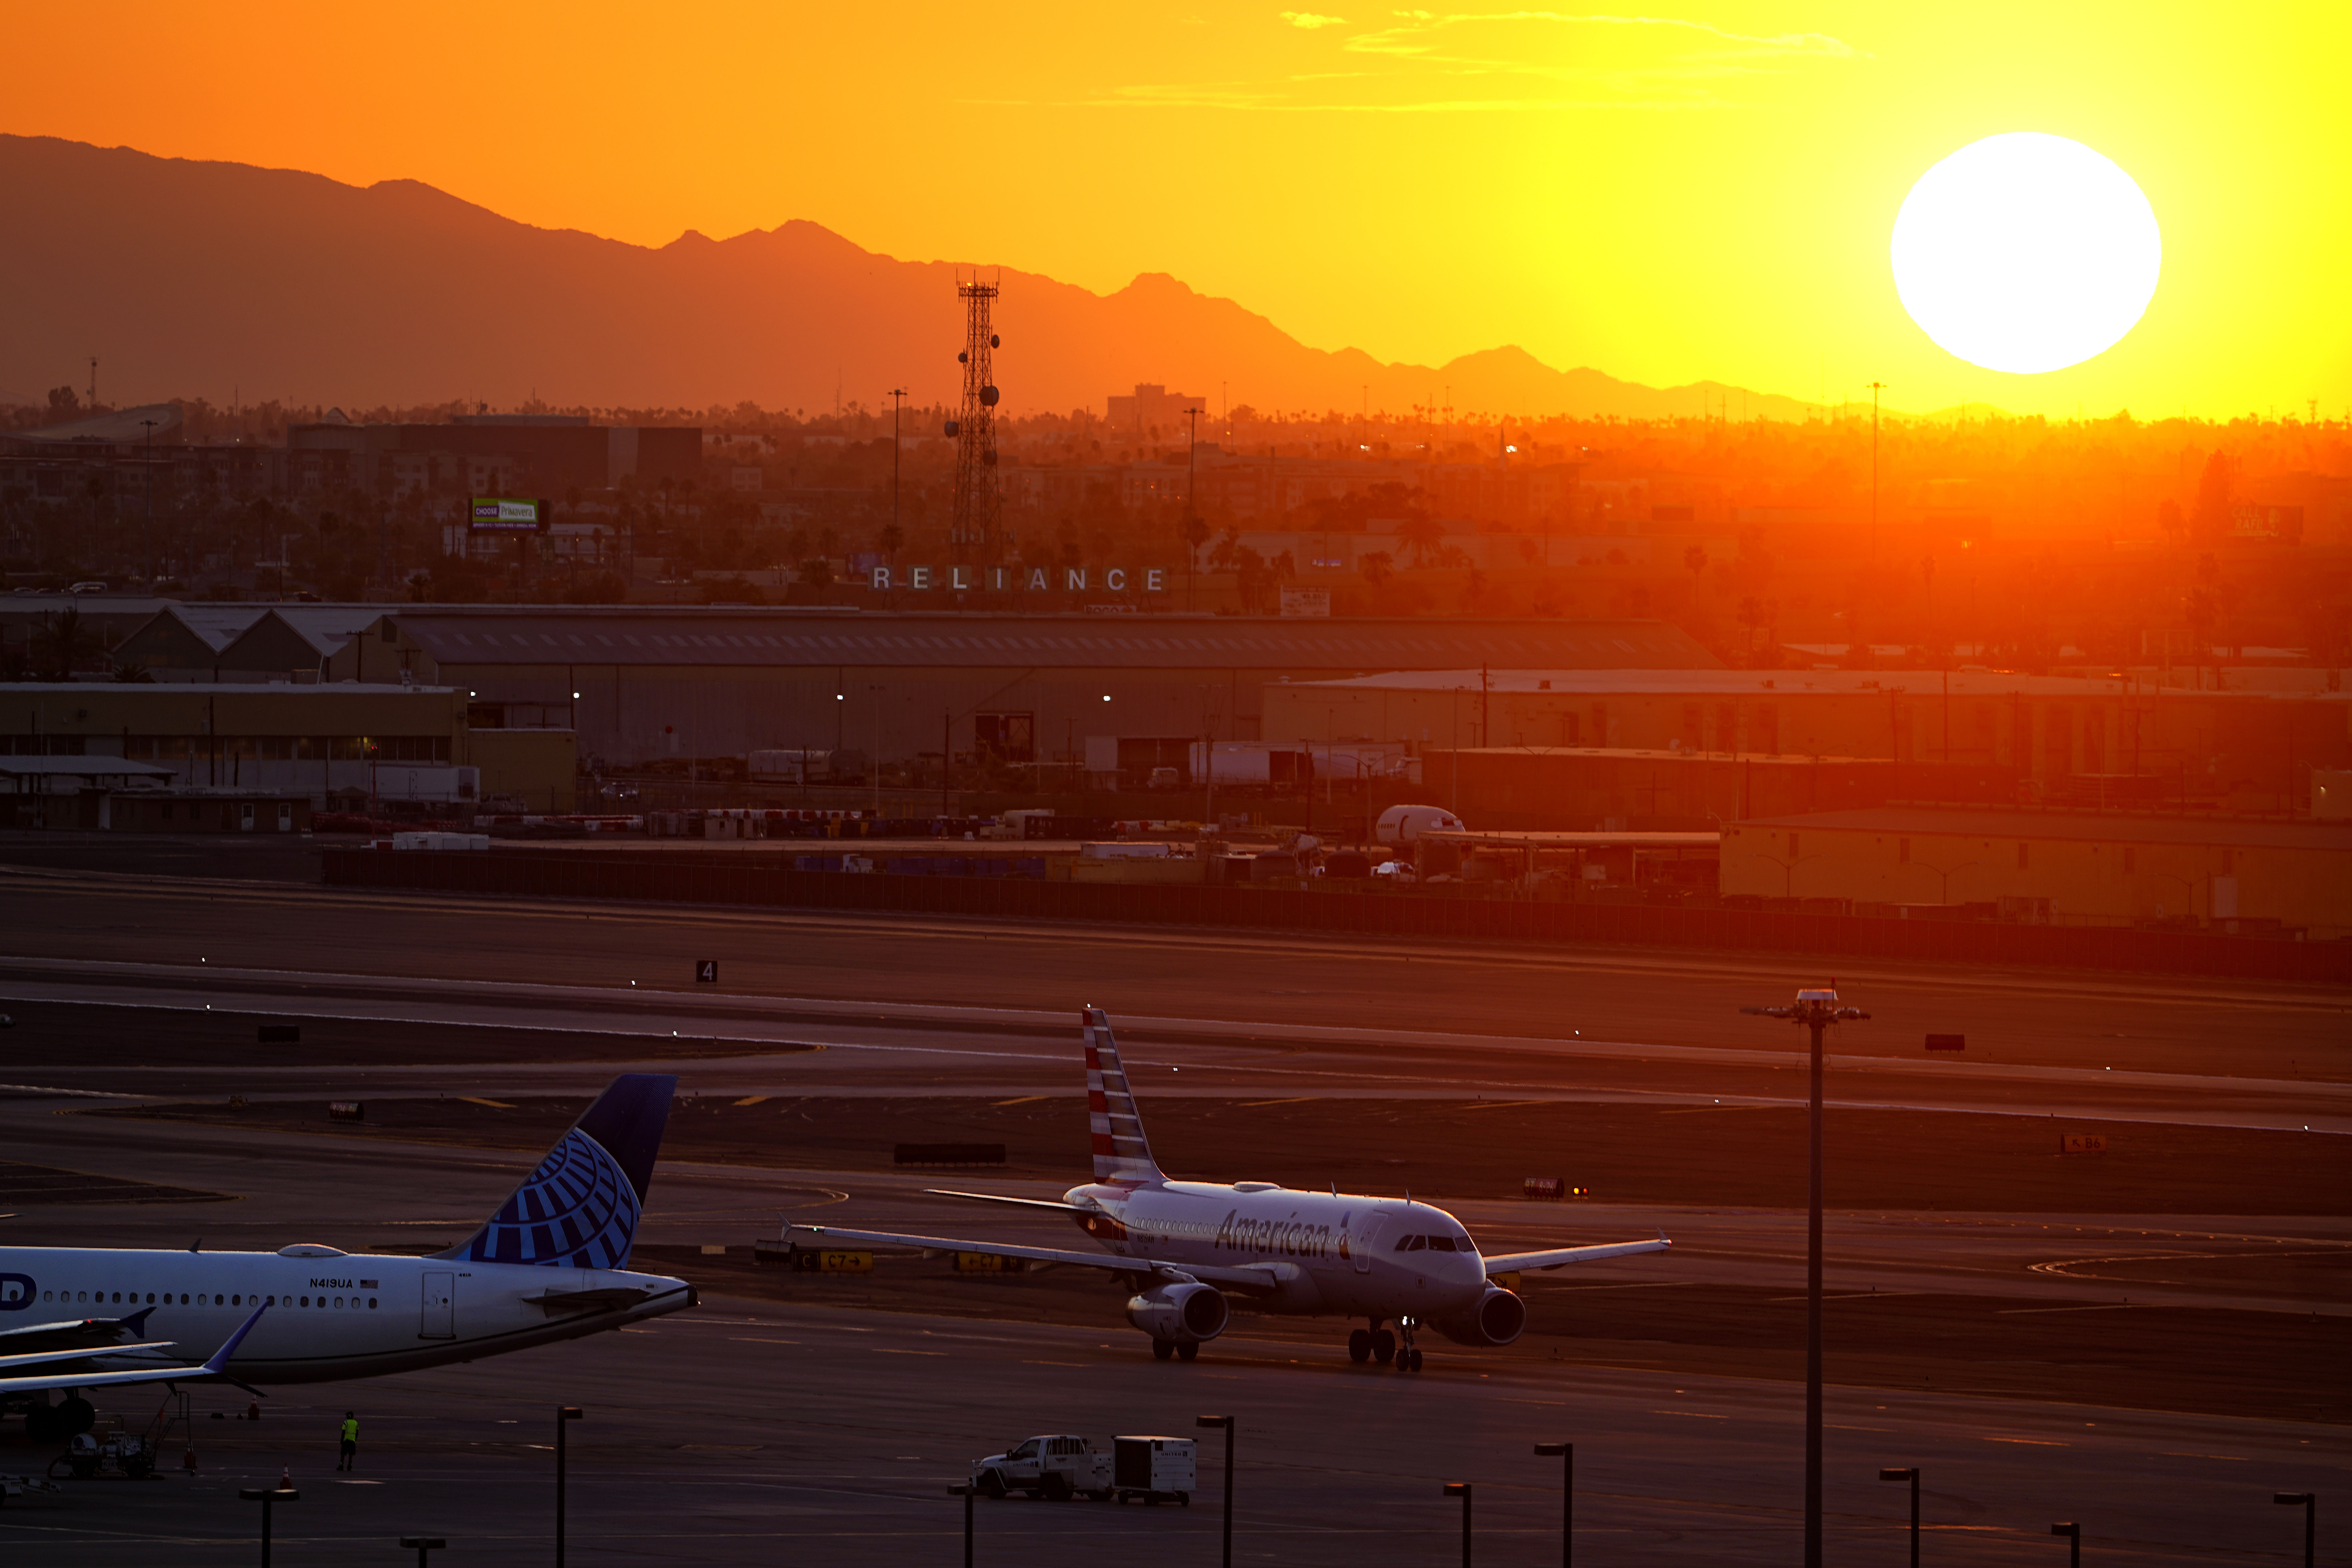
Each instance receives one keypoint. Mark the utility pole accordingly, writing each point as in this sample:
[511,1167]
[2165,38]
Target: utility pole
[1875,388]
[898,394]
[1192,511]
[1816,1010]
[147,544]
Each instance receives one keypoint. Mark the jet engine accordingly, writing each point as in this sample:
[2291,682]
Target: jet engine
[1496,1318]
[1181,1314]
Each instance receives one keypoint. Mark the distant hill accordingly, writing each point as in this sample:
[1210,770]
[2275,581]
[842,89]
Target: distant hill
[186,278]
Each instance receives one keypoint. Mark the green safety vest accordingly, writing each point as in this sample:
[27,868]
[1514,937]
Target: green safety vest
[350,1431]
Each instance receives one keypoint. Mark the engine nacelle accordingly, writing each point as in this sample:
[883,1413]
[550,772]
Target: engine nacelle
[1496,1318]
[1182,1314]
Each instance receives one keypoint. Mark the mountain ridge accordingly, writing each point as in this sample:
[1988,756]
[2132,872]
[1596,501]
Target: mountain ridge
[188,276]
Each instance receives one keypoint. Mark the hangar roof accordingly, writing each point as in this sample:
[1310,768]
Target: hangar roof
[631,635]
[2108,828]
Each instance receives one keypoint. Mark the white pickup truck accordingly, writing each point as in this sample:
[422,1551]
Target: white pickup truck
[1060,1466]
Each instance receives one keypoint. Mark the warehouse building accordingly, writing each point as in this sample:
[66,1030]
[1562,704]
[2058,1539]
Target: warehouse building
[2078,867]
[1517,788]
[342,746]
[638,683]
[2074,740]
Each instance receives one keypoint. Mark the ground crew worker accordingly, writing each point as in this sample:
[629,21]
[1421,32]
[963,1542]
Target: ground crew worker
[351,1459]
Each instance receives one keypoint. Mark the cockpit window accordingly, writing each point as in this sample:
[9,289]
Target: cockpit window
[1410,1243]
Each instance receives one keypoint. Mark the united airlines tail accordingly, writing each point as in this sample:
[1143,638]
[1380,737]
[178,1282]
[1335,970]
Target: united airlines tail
[580,1208]
[1121,1152]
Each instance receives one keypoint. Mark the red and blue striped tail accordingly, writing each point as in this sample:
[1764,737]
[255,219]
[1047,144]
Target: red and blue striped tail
[1121,1151]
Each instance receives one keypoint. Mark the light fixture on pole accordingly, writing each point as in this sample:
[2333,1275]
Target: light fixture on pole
[2309,1503]
[1816,1010]
[1462,1491]
[423,1544]
[268,1497]
[1909,1474]
[1566,1454]
[1231,1430]
[565,1416]
[2074,1534]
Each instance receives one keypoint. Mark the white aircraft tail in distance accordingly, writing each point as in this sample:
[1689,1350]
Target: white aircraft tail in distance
[552,1262]
[1187,1246]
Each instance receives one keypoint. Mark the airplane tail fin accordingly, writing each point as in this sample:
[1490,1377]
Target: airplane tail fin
[580,1208]
[1121,1151]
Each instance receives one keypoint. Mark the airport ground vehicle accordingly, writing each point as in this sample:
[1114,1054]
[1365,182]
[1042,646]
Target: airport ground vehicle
[1184,1247]
[1061,1465]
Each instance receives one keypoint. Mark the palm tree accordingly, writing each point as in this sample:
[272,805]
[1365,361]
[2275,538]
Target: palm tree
[63,642]
[1422,535]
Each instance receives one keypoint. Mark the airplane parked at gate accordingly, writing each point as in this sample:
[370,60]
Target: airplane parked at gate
[1187,1244]
[551,1264]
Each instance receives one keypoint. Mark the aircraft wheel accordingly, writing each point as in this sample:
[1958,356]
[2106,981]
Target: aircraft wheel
[1384,1347]
[1189,1351]
[41,1424]
[76,1416]
[1360,1346]
[1162,1349]
[1414,1356]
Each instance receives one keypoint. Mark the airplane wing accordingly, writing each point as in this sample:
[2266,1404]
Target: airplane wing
[216,1367]
[1054,1204]
[1514,1262]
[1212,1274]
[41,1358]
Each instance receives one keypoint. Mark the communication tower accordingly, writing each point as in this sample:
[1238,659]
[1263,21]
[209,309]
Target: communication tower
[976,533]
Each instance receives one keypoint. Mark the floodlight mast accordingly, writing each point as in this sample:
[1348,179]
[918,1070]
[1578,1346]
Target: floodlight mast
[1816,1010]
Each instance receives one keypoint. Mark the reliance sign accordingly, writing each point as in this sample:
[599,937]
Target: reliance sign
[1021,579]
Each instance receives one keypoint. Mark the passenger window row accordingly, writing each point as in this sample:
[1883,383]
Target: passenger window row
[99,1299]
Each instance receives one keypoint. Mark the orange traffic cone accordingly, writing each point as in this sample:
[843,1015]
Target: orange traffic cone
[286,1477]
[188,1461]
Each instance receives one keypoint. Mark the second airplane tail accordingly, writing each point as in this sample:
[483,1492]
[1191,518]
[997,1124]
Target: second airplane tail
[1121,1151]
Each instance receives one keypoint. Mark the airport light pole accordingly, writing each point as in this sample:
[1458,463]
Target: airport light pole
[1911,1474]
[1462,1491]
[2074,1534]
[268,1497]
[1816,1010]
[1231,1430]
[965,1492]
[2309,1502]
[423,1544]
[565,1416]
[1566,1454]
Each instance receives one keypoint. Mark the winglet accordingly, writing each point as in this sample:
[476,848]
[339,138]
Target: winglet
[218,1364]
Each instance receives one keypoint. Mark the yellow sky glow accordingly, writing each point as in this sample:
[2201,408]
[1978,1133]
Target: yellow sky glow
[1702,194]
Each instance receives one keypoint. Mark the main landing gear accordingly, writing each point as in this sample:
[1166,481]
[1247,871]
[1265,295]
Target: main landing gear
[1376,1344]
[1186,1350]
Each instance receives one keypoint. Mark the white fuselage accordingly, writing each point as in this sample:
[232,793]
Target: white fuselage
[340,1315]
[1333,1253]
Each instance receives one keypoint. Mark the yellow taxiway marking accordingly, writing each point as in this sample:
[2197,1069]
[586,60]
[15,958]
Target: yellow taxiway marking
[477,1099]
[2033,1442]
[754,1100]
[1022,1100]
[1297,1099]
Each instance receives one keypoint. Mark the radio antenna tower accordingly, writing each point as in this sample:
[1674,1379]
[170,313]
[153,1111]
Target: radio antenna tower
[979,504]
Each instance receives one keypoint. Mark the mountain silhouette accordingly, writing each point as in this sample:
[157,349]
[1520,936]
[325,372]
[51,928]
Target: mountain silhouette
[189,278]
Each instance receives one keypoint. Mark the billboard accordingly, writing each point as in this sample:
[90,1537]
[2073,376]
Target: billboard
[496,514]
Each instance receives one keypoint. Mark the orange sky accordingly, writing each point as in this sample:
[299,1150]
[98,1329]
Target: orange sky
[1704,192]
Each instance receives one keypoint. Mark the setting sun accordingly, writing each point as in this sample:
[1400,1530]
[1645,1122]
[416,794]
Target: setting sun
[2026,253]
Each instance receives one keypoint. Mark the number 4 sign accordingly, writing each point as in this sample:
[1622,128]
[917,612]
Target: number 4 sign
[706,972]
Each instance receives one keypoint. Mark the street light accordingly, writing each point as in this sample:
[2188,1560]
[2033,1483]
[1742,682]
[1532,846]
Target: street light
[268,1497]
[1231,1430]
[1909,1474]
[1566,1454]
[1816,1010]
[1462,1491]
[422,1543]
[565,1416]
[2309,1503]
[965,1492]
[2074,1534]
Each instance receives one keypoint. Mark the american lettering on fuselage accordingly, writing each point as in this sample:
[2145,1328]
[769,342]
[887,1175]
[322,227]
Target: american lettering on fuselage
[551,1264]
[1187,1246]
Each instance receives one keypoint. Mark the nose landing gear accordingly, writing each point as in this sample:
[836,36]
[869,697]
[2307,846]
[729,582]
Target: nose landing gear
[1408,1357]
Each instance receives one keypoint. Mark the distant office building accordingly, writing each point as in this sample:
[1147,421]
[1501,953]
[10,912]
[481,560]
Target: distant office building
[1148,407]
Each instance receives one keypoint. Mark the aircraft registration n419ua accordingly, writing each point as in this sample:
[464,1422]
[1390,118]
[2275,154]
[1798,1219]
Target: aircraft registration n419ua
[1187,1245]
[551,1264]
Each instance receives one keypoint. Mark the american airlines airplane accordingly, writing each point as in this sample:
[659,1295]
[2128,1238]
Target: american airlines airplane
[551,1264]
[1187,1245]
